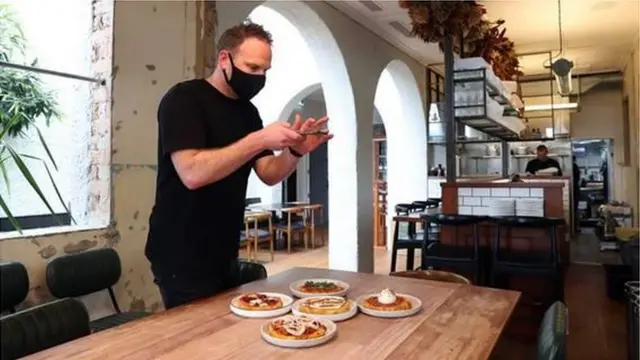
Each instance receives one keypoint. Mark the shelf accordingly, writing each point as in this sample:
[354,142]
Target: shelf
[534,155]
[487,157]
[488,126]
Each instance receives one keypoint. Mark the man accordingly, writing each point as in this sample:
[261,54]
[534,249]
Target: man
[542,162]
[210,137]
[576,193]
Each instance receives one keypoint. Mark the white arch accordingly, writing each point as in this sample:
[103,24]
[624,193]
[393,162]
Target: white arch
[289,106]
[398,101]
[338,94]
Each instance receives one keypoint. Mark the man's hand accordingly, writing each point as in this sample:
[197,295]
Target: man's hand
[280,135]
[310,142]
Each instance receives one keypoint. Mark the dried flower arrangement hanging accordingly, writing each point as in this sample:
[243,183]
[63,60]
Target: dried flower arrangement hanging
[464,21]
[497,50]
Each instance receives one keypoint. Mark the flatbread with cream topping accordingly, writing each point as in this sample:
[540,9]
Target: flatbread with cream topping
[296,328]
[258,301]
[325,306]
[387,300]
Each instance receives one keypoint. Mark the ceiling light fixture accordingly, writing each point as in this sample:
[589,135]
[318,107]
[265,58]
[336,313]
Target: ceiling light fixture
[562,71]
[549,107]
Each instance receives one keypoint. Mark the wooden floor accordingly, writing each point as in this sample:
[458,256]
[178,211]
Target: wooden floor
[597,325]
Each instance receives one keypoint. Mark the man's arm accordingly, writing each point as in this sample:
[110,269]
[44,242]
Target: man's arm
[274,169]
[558,166]
[197,168]
[529,168]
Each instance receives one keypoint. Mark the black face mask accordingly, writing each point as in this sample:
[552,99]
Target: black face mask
[245,85]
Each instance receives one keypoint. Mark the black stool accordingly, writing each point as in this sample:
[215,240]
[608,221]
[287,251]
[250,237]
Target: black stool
[410,241]
[463,254]
[532,262]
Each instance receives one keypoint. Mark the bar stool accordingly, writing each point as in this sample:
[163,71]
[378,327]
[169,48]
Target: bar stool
[460,252]
[410,242]
[531,262]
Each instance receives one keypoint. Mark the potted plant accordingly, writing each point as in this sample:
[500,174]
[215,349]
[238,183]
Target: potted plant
[23,100]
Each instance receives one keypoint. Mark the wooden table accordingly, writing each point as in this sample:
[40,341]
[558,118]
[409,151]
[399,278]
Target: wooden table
[457,322]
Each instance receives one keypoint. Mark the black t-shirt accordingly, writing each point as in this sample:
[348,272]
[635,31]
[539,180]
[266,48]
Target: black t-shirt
[536,165]
[197,232]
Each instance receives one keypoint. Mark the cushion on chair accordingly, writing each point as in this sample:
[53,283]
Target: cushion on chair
[14,285]
[83,273]
[116,320]
[553,332]
[244,272]
[41,327]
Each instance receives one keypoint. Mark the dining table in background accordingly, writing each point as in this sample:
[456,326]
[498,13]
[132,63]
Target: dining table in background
[456,322]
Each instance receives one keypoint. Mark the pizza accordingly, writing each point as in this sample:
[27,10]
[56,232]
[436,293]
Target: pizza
[320,287]
[325,306]
[258,301]
[387,300]
[296,328]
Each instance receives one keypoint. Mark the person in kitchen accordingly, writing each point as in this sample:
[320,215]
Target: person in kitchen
[210,137]
[542,162]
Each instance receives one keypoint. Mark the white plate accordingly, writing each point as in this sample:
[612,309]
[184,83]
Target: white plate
[287,301]
[296,284]
[334,317]
[417,305]
[331,332]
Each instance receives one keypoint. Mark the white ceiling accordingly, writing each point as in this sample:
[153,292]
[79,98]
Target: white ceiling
[598,35]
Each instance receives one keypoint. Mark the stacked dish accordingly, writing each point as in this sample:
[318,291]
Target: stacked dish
[502,207]
[530,207]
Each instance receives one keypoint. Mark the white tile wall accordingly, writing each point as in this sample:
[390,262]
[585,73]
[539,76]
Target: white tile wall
[566,200]
[476,201]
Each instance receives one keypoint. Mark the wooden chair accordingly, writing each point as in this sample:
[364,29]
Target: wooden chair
[253,234]
[433,275]
[311,228]
[294,222]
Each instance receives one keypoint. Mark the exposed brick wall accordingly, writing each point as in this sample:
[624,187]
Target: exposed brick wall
[100,148]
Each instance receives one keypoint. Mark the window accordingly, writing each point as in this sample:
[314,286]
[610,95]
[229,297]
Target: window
[55,89]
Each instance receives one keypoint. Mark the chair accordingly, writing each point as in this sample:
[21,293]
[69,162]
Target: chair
[42,327]
[433,275]
[460,251]
[244,272]
[86,273]
[14,285]
[293,222]
[530,262]
[410,241]
[553,333]
[254,233]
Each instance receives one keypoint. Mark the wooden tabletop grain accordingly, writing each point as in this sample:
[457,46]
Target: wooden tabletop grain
[457,322]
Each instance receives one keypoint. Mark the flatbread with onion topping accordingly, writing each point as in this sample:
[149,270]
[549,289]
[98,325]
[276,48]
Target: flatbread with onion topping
[258,301]
[320,287]
[324,306]
[296,328]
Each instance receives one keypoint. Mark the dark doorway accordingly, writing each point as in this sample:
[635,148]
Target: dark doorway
[319,180]
[289,187]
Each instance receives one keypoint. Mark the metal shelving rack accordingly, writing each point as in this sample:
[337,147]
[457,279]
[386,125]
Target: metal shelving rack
[482,122]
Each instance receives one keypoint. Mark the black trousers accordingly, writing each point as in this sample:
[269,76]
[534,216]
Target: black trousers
[181,288]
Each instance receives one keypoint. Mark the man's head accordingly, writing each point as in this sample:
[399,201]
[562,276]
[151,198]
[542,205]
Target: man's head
[244,56]
[542,152]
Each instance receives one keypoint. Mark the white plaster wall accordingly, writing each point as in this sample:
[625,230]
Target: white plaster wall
[293,68]
[350,173]
[398,101]
[59,43]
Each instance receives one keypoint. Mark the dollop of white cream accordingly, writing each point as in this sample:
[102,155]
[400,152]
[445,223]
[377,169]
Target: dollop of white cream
[387,297]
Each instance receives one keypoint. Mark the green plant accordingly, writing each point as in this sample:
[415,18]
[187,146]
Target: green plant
[9,155]
[23,100]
